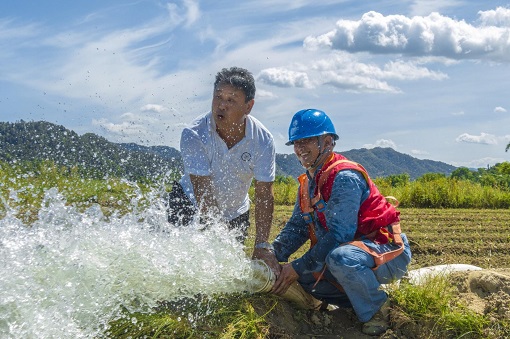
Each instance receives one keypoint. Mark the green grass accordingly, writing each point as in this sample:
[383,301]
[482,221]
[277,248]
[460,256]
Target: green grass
[432,306]
[150,325]
[23,189]
[219,317]
[428,192]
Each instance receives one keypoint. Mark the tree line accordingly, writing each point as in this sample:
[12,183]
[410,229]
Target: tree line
[23,185]
[463,188]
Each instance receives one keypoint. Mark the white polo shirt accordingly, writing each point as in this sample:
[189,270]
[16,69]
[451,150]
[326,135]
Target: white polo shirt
[204,153]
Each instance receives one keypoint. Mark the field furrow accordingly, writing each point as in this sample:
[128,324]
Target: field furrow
[447,236]
[442,236]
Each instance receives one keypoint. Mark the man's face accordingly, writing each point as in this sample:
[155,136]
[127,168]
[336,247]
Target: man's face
[229,106]
[307,150]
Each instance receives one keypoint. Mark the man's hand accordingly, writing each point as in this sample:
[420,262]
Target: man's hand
[268,257]
[286,277]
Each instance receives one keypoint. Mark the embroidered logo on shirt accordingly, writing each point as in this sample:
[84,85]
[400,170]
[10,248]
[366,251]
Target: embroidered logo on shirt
[246,156]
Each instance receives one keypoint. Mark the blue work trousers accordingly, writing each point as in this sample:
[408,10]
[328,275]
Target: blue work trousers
[351,267]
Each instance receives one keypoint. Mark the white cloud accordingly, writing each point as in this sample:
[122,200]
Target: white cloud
[358,83]
[188,14]
[382,143]
[9,30]
[126,116]
[499,109]
[103,68]
[147,127]
[119,70]
[409,71]
[500,17]
[458,113]
[344,71]
[153,108]
[433,35]
[192,11]
[418,152]
[284,78]
[133,118]
[124,129]
[263,94]
[483,138]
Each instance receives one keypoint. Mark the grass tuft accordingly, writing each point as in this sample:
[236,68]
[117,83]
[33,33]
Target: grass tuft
[436,305]
[221,317]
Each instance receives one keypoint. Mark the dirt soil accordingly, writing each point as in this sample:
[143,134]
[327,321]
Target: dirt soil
[484,291]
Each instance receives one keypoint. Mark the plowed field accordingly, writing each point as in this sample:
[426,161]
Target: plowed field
[447,236]
[476,237]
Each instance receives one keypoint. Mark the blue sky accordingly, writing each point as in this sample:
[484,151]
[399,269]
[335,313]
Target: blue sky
[427,78]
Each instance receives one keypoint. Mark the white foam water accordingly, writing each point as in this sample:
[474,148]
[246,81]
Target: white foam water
[71,272]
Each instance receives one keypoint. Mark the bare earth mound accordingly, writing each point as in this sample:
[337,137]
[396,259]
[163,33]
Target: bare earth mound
[484,291]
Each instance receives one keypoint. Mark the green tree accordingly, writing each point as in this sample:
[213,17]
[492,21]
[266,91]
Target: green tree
[398,180]
[463,173]
[503,168]
[429,177]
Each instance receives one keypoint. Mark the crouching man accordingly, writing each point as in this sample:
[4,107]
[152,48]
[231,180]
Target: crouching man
[356,242]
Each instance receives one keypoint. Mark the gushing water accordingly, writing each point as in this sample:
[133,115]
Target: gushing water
[70,272]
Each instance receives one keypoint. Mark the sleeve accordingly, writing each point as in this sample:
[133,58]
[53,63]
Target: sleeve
[264,169]
[292,236]
[194,155]
[349,189]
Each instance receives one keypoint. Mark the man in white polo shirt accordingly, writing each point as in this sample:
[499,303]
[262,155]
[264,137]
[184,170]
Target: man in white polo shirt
[222,152]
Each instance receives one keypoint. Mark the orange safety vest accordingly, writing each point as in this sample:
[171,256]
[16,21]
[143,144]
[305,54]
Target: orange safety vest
[378,220]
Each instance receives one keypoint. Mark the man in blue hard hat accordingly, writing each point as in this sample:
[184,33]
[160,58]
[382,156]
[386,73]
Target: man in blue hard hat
[354,232]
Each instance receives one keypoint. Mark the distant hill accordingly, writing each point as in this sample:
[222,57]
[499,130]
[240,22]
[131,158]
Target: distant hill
[165,152]
[46,141]
[382,162]
[379,162]
[93,155]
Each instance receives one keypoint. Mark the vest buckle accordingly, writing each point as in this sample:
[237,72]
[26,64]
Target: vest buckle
[321,205]
[307,217]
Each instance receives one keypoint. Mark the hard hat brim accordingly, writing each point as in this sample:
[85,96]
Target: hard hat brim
[334,135]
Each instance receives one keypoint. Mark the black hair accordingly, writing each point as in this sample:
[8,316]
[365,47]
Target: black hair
[239,78]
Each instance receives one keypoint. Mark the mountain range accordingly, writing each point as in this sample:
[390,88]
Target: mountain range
[378,161]
[25,141]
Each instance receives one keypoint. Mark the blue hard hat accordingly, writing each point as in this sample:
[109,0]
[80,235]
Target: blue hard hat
[310,123]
